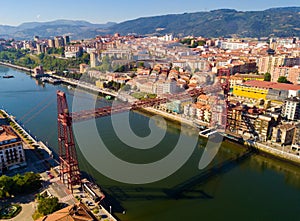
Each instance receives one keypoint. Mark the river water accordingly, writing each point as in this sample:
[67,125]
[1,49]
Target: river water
[259,188]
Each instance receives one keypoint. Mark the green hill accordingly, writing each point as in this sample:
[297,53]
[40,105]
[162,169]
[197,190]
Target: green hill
[279,22]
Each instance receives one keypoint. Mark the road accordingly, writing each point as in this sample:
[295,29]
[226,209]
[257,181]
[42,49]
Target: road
[28,207]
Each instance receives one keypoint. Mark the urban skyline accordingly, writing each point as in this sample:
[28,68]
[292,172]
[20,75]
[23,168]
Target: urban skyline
[120,11]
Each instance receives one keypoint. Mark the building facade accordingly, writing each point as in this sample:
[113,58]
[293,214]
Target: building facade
[11,149]
[291,108]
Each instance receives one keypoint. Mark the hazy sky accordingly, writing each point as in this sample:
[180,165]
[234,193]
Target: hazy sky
[15,12]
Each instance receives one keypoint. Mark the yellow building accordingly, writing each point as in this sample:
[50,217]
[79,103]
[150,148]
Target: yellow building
[247,91]
[276,92]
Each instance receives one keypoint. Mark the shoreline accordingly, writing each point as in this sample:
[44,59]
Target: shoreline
[15,66]
[34,141]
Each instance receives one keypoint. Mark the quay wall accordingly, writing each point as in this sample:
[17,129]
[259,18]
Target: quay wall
[280,154]
[15,66]
[39,143]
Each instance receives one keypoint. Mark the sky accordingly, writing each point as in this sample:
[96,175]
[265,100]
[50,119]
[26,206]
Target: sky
[16,12]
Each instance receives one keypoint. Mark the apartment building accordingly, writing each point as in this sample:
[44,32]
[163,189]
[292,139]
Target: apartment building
[291,73]
[11,149]
[291,108]
[73,51]
[94,59]
[59,42]
[283,134]
[263,126]
[267,64]
[231,45]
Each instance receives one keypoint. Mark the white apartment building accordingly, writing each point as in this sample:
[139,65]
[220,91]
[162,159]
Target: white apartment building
[291,108]
[224,44]
[11,149]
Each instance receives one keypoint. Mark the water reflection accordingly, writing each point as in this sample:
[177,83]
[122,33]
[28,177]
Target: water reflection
[291,173]
[3,70]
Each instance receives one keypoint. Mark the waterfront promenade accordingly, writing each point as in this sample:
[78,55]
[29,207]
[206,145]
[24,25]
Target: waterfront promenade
[15,66]
[86,86]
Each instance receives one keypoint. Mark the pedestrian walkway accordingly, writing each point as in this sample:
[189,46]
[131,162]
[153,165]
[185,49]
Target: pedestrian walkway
[66,198]
[55,179]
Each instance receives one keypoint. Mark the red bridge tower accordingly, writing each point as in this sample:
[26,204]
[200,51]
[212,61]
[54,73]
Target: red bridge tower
[69,169]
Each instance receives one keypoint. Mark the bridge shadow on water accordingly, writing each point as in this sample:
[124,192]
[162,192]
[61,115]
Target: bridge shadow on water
[188,190]
[115,195]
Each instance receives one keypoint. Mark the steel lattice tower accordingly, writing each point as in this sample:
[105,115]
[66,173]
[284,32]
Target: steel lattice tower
[69,169]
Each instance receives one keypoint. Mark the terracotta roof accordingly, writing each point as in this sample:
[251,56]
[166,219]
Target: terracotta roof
[274,85]
[77,212]
[6,133]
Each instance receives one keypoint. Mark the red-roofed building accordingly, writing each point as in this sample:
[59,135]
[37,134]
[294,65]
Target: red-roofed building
[11,149]
[266,90]
[273,85]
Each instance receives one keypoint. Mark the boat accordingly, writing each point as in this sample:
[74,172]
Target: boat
[8,76]
[50,80]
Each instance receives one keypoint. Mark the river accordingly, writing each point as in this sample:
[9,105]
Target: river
[259,188]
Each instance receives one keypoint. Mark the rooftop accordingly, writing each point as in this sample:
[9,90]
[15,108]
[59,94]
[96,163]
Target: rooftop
[6,133]
[272,85]
[76,212]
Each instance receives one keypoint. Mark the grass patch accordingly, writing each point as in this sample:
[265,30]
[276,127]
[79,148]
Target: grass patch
[36,215]
[142,95]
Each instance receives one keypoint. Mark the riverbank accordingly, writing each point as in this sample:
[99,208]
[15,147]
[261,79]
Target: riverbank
[275,150]
[84,85]
[28,140]
[282,153]
[15,66]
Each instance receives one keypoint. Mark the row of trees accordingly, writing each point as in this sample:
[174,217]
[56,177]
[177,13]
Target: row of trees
[12,54]
[49,62]
[192,43]
[19,184]
[113,85]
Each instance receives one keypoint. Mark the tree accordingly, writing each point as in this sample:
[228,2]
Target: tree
[141,64]
[267,77]
[283,79]
[6,185]
[19,184]
[126,87]
[48,205]
[85,58]
[41,56]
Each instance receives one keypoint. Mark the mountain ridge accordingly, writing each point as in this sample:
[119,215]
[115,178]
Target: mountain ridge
[77,28]
[280,22]
[283,21]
